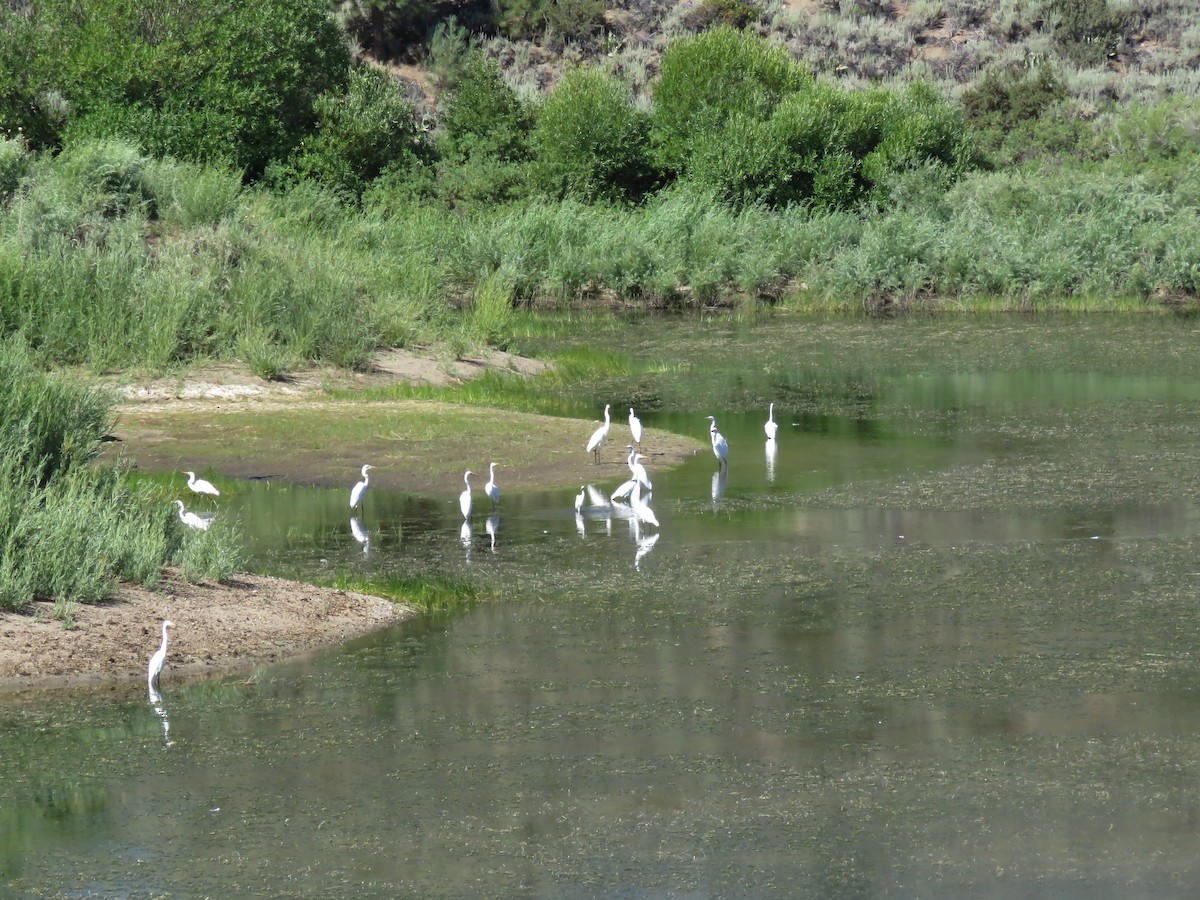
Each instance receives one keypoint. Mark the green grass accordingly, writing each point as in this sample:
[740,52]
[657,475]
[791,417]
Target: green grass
[432,595]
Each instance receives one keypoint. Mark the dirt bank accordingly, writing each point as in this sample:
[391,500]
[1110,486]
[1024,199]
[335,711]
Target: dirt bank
[218,629]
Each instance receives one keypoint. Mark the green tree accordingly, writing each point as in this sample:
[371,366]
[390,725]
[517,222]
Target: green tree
[208,80]
[591,140]
[359,134]
[707,79]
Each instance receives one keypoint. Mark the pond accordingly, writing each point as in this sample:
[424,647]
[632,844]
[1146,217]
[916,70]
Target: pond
[939,643]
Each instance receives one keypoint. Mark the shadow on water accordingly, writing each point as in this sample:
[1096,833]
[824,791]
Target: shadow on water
[938,641]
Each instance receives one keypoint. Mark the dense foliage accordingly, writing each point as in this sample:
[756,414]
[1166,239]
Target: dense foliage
[69,530]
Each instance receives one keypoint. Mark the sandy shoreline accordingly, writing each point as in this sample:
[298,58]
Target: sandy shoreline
[249,621]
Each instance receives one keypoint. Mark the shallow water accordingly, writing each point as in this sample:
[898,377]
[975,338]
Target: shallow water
[941,645]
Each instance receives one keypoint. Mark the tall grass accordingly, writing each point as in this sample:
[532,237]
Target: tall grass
[69,530]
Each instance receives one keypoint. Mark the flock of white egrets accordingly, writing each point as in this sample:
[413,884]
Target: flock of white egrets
[631,490]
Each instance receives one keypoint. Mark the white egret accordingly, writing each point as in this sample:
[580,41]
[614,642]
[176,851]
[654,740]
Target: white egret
[639,471]
[464,499]
[771,427]
[580,497]
[626,488]
[190,519]
[200,486]
[772,455]
[599,435]
[160,656]
[635,427]
[719,445]
[356,493]
[491,488]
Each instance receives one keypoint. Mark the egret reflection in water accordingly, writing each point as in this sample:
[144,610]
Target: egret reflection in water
[360,534]
[644,546]
[719,479]
[492,525]
[161,711]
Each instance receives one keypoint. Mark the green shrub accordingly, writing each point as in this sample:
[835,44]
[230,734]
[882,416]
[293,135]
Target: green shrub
[359,134]
[591,140]
[1088,32]
[212,555]
[483,149]
[212,80]
[14,163]
[712,13]
[568,20]
[707,79]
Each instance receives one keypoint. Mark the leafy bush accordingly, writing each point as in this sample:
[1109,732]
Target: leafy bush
[14,163]
[483,148]
[1002,100]
[712,13]
[217,79]
[568,20]
[359,134]
[1088,32]
[591,140]
[706,80]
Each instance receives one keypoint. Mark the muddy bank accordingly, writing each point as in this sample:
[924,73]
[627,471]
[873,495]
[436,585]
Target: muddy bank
[219,629]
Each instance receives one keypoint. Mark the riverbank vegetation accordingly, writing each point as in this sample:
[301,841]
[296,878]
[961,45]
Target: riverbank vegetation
[70,530]
[158,206]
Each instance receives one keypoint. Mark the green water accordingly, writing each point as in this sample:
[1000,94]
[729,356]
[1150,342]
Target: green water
[942,645]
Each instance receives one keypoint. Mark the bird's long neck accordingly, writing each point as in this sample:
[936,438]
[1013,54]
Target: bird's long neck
[164,631]
[467,479]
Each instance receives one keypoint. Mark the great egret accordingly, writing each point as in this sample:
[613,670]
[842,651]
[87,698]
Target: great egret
[719,444]
[635,427]
[579,498]
[772,454]
[464,499]
[356,493]
[200,486]
[491,488]
[599,435]
[160,655]
[190,519]
[771,427]
[639,471]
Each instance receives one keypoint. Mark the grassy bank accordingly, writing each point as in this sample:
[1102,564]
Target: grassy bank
[69,530]
[112,260]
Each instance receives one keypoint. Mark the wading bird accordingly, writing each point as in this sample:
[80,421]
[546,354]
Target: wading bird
[160,656]
[771,427]
[356,493]
[635,428]
[464,499]
[599,435]
[491,488]
[719,444]
[579,498]
[190,519]
[200,486]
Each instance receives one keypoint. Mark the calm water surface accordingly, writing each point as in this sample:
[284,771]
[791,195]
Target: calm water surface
[940,643]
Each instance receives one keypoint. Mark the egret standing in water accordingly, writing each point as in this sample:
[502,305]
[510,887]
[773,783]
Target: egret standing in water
[635,428]
[599,435]
[464,499]
[200,486]
[190,519]
[491,488]
[160,656]
[719,444]
[580,497]
[771,427]
[356,493]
